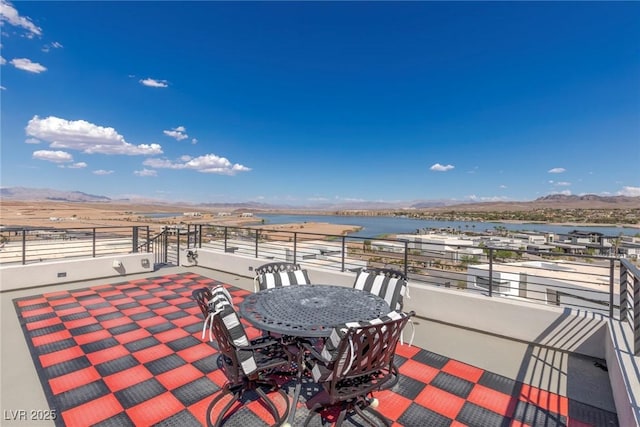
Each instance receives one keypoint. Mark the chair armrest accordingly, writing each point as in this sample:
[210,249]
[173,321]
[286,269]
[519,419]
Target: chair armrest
[261,343]
[314,352]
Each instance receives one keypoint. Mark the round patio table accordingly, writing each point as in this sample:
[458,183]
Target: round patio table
[310,310]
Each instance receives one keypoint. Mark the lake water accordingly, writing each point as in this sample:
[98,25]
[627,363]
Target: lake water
[378,225]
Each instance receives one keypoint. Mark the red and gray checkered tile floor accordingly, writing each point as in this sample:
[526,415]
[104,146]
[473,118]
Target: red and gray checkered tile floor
[131,353]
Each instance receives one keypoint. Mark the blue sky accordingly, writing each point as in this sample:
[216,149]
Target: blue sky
[305,102]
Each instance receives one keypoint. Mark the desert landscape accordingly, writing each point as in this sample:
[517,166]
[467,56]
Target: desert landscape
[51,214]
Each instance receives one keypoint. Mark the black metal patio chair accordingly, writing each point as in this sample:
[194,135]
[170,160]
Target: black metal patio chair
[248,366]
[356,360]
[276,274]
[391,285]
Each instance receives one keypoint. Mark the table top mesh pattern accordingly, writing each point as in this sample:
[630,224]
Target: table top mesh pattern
[310,310]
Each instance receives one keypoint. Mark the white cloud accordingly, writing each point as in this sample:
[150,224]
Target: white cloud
[629,191]
[441,168]
[32,141]
[53,156]
[194,141]
[86,137]
[557,170]
[154,83]
[209,163]
[102,172]
[178,133]
[146,172]
[3,88]
[26,65]
[562,184]
[9,14]
[2,61]
[503,186]
[78,165]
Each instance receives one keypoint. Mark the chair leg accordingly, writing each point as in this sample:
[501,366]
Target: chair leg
[374,413]
[225,391]
[271,407]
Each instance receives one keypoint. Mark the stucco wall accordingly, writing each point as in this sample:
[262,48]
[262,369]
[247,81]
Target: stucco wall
[55,272]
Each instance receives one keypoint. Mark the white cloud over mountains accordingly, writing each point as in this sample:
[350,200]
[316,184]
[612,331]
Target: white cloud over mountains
[86,137]
[26,65]
[9,14]
[209,163]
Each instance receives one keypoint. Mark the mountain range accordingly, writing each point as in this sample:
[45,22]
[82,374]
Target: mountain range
[559,201]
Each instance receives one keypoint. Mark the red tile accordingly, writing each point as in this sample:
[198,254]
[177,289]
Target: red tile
[418,371]
[171,335]
[127,378]
[199,410]
[197,352]
[493,400]
[151,321]
[118,321]
[407,351]
[104,310]
[25,303]
[92,337]
[135,335]
[166,310]
[107,354]
[179,376]
[135,310]
[51,338]
[36,312]
[62,301]
[155,410]
[260,409]
[544,399]
[73,310]
[80,322]
[392,405]
[218,377]
[152,353]
[188,320]
[60,356]
[462,370]
[150,301]
[440,401]
[457,423]
[73,379]
[97,300]
[92,412]
[31,326]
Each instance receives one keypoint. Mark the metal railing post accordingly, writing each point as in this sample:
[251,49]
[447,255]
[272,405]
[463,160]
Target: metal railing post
[225,239]
[344,240]
[295,247]
[611,273]
[490,272]
[134,237]
[200,236]
[406,258]
[625,275]
[148,237]
[24,246]
[257,237]
[636,315]
[178,246]
[93,243]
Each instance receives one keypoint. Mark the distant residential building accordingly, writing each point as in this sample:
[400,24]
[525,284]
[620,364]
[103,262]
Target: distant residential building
[191,214]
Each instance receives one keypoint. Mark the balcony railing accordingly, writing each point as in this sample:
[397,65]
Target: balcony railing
[27,246]
[601,284]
